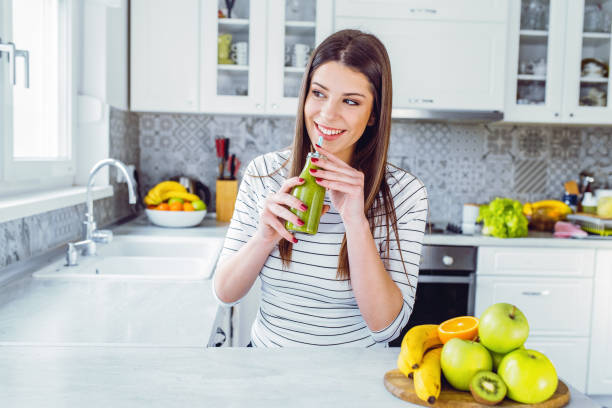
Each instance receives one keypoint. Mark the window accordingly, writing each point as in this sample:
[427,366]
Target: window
[37,123]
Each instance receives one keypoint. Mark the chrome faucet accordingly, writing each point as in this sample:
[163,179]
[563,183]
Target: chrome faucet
[92,234]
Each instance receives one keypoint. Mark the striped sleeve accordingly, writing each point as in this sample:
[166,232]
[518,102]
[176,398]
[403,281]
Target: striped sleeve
[402,261]
[244,220]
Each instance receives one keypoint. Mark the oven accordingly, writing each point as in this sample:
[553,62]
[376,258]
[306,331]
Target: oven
[446,286]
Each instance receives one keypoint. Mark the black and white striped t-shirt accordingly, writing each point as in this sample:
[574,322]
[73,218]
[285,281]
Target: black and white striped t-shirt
[306,305]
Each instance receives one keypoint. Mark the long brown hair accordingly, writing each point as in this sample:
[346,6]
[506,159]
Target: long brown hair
[365,54]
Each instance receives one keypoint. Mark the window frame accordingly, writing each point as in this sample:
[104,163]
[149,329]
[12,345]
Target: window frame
[21,176]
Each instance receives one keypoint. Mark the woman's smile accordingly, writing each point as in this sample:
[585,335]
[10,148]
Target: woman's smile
[328,133]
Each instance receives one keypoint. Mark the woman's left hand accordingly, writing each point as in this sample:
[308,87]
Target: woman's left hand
[344,183]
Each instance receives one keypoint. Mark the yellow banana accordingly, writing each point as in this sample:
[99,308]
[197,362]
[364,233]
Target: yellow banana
[402,363]
[530,208]
[168,185]
[179,194]
[418,340]
[427,378]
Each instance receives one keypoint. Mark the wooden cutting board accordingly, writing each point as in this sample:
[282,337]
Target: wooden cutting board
[402,387]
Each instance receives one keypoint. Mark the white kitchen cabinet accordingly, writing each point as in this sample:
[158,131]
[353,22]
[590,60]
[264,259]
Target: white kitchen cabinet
[547,43]
[165,44]
[600,364]
[553,287]
[445,55]
[175,49]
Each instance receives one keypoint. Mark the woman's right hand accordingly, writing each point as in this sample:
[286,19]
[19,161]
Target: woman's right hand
[271,226]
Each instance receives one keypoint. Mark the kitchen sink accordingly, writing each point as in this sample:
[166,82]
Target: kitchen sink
[143,257]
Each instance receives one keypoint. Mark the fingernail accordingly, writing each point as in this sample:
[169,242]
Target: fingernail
[318,145]
[304,207]
[295,241]
[319,180]
[301,180]
[313,170]
[314,160]
[300,222]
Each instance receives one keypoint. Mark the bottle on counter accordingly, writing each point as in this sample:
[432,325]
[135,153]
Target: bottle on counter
[311,194]
[589,203]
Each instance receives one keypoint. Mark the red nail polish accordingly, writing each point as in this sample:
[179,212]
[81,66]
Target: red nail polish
[319,180]
[300,222]
[318,145]
[314,159]
[313,170]
[295,241]
[304,207]
[301,180]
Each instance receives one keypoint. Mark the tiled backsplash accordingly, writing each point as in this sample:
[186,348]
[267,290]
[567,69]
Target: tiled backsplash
[30,236]
[458,163]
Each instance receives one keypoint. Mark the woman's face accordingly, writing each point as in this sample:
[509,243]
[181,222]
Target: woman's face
[338,107]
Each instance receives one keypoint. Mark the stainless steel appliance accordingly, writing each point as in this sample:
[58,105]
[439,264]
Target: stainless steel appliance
[446,286]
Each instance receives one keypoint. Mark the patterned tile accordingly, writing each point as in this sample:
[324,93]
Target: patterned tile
[14,242]
[560,171]
[565,144]
[499,141]
[533,142]
[530,176]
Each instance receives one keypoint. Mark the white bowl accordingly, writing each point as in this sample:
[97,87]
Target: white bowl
[175,219]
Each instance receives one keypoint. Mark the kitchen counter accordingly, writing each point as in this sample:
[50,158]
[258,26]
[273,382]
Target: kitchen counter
[212,228]
[188,377]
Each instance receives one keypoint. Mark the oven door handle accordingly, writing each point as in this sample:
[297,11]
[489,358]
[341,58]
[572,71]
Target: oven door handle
[445,279]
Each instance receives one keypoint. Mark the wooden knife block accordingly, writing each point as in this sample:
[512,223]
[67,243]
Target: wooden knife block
[227,191]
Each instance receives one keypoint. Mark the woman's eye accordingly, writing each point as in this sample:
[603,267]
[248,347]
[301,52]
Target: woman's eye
[350,102]
[317,94]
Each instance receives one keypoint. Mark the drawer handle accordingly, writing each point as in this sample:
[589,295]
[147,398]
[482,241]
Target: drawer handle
[541,293]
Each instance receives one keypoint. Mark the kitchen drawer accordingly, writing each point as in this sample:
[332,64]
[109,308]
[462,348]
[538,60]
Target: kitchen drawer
[467,10]
[569,355]
[554,307]
[536,261]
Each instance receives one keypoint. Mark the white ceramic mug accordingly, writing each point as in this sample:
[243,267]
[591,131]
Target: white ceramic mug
[469,216]
[301,53]
[240,53]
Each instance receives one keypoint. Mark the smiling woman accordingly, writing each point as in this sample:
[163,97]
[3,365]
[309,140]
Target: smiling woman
[353,282]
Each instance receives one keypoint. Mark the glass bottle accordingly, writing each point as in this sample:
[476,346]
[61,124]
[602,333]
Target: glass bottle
[312,195]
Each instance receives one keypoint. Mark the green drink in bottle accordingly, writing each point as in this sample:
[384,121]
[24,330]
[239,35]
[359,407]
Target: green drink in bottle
[311,194]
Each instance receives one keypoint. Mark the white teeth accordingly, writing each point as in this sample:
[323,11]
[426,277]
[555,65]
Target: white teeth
[329,132]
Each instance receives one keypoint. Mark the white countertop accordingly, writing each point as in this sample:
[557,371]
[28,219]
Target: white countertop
[210,227]
[190,377]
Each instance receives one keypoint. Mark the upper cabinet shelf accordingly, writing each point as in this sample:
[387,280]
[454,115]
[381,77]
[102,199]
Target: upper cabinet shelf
[558,54]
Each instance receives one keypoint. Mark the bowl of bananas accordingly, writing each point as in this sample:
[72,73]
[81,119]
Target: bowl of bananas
[169,204]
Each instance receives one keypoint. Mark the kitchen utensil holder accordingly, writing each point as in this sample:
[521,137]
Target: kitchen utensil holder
[227,191]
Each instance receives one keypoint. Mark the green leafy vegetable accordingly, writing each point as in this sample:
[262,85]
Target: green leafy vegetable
[503,218]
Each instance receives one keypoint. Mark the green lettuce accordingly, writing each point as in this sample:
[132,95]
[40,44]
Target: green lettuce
[503,218]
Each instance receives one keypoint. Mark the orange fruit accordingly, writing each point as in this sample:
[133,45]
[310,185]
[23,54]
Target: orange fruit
[163,207]
[176,206]
[151,206]
[463,327]
[188,207]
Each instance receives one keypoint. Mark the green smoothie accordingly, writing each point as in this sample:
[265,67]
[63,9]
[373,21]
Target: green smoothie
[311,194]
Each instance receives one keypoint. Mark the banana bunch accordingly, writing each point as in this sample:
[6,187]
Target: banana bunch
[419,359]
[556,207]
[166,190]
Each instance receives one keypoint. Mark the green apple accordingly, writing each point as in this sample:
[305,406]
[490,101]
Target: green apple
[503,328]
[497,358]
[461,359]
[198,205]
[529,375]
[175,200]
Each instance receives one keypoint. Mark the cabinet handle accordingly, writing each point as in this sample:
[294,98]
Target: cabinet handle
[556,114]
[571,115]
[9,49]
[540,293]
[447,260]
[274,106]
[258,106]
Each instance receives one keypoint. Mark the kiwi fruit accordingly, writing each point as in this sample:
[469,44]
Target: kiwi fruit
[488,388]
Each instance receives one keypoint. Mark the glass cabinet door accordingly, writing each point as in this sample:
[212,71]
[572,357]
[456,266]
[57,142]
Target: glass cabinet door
[233,61]
[535,72]
[295,28]
[588,60]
